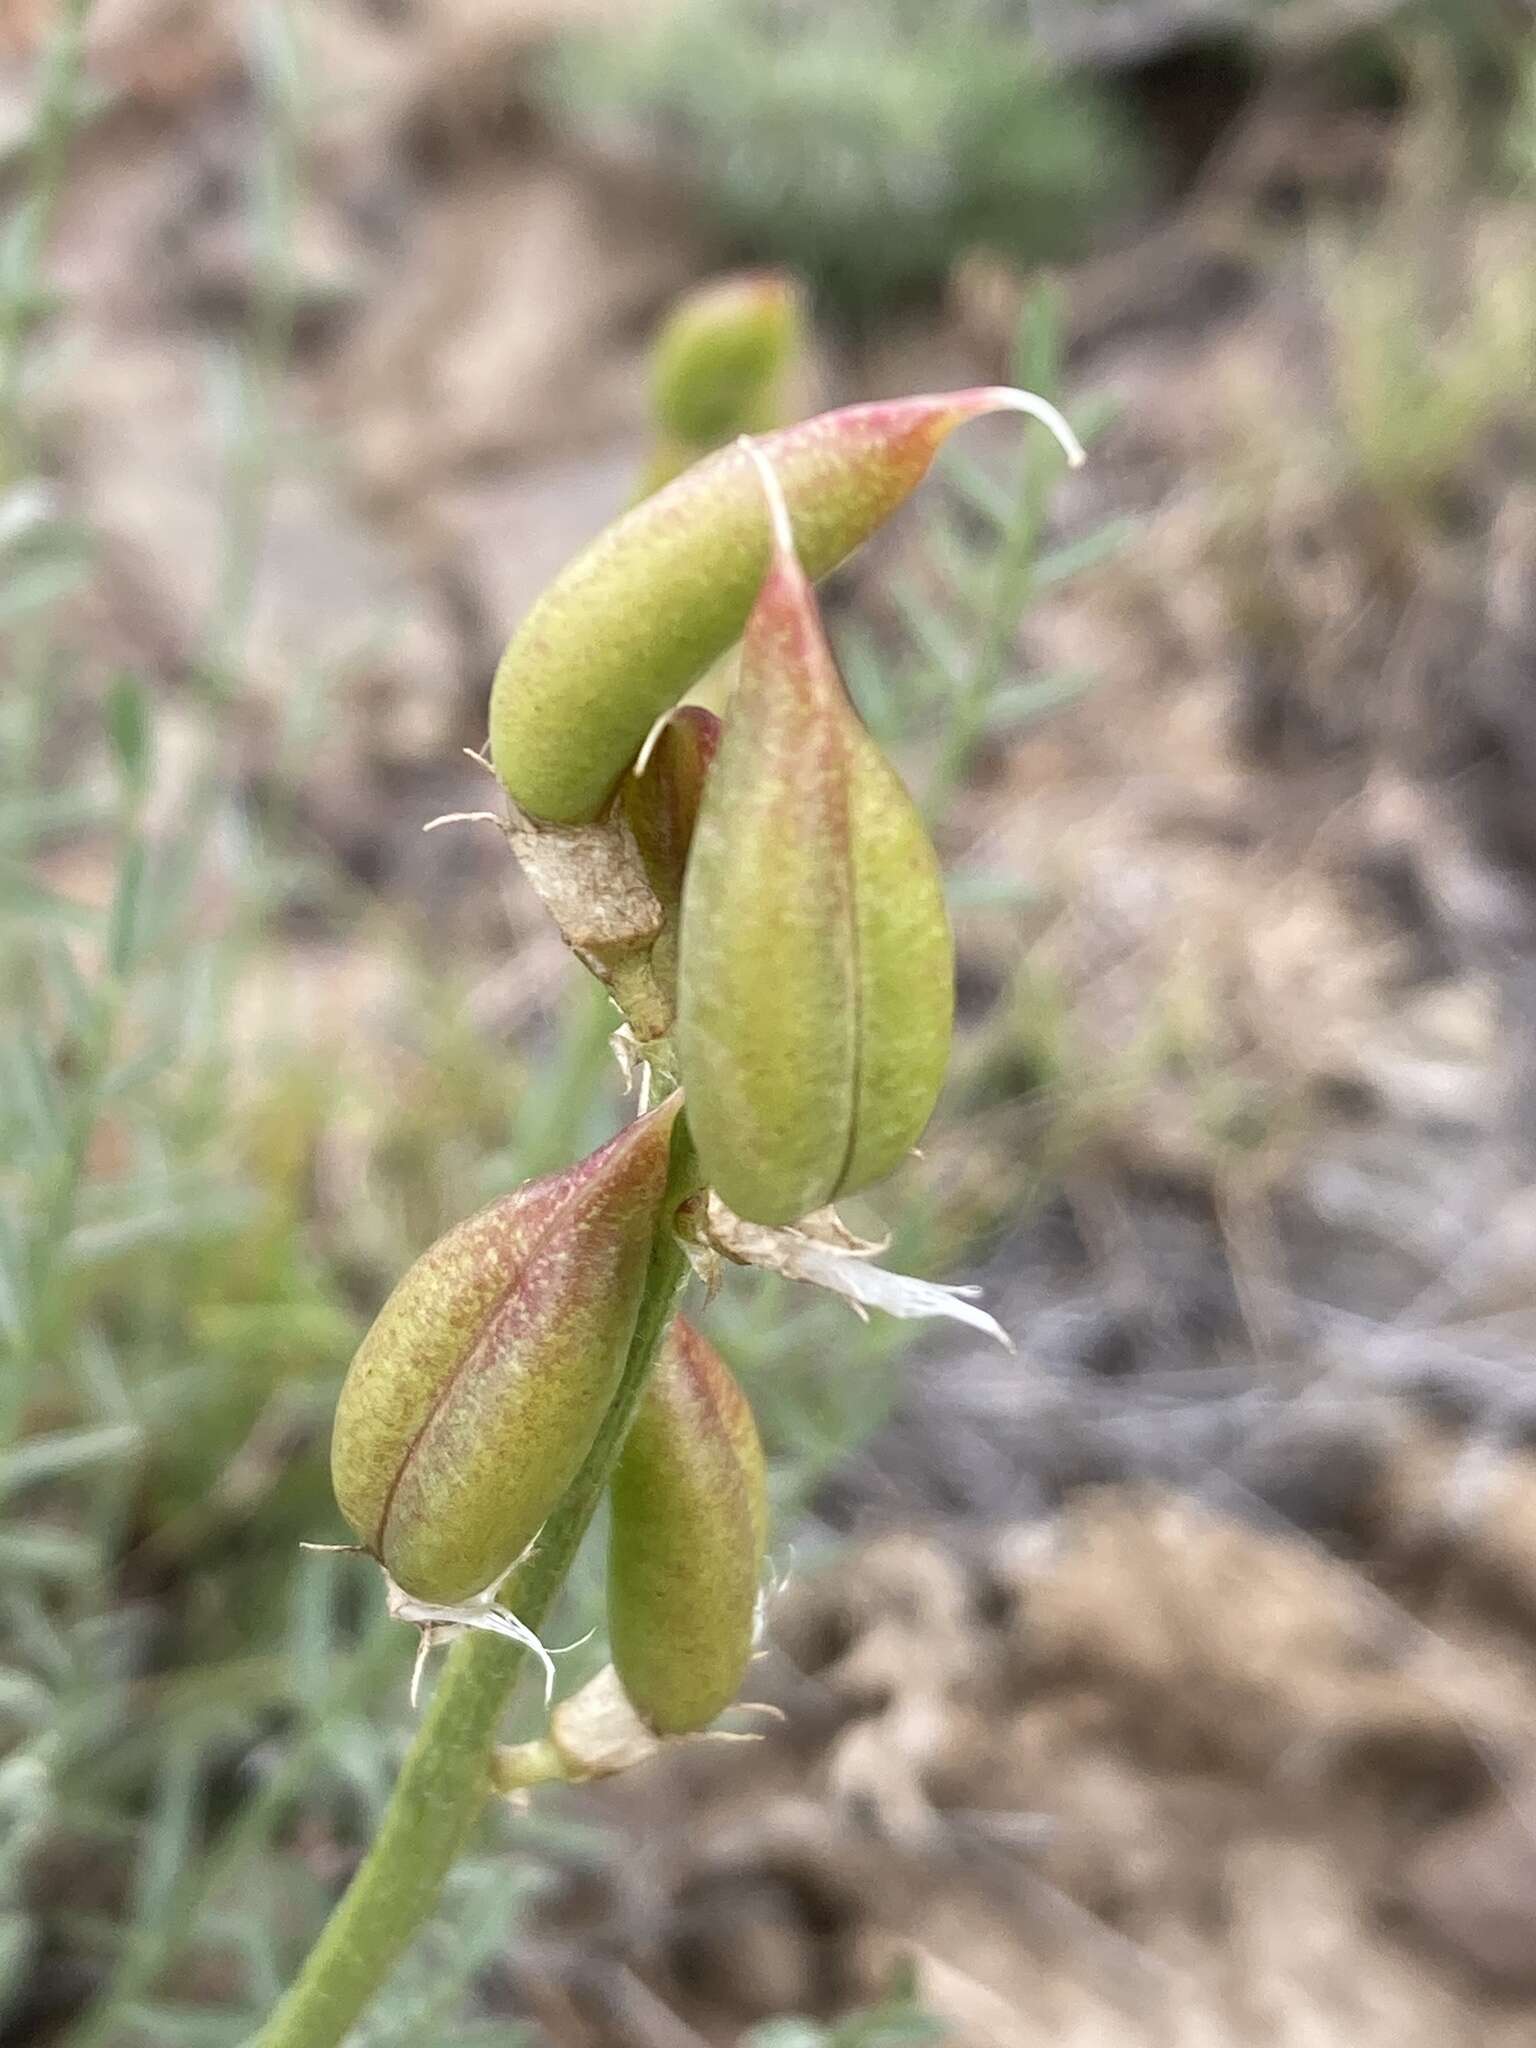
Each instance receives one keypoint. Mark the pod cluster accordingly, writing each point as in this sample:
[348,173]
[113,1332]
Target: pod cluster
[806,952]
[481,1387]
[803,959]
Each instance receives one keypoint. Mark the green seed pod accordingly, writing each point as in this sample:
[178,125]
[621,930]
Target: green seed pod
[688,1530]
[816,980]
[621,633]
[661,805]
[720,365]
[477,1393]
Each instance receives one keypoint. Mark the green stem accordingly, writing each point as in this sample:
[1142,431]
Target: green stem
[966,723]
[1036,364]
[444,1780]
[148,1954]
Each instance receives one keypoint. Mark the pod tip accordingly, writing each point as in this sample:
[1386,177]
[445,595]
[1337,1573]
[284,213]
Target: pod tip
[1007,398]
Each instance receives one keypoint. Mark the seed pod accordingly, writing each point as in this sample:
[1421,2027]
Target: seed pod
[661,805]
[625,628]
[687,1535]
[479,1389]
[719,366]
[816,980]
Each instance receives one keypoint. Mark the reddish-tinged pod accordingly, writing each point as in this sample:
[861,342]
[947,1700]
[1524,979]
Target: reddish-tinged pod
[621,633]
[816,975]
[661,804]
[687,1536]
[477,1393]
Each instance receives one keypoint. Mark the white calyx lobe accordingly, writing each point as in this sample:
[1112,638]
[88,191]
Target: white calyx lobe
[441,1624]
[822,1252]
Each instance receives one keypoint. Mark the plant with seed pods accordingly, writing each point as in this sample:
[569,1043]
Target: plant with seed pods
[760,899]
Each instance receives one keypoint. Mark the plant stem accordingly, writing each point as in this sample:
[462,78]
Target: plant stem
[1036,364]
[444,1779]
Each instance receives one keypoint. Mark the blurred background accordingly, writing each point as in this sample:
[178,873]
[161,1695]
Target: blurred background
[1170,1682]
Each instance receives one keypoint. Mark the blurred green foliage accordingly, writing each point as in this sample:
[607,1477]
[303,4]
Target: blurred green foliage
[868,144]
[865,146]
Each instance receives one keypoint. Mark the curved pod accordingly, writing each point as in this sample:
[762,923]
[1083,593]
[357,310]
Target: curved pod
[639,615]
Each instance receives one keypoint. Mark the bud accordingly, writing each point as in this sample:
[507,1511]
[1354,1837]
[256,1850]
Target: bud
[477,1393]
[816,982]
[720,366]
[661,807]
[686,1542]
[622,632]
